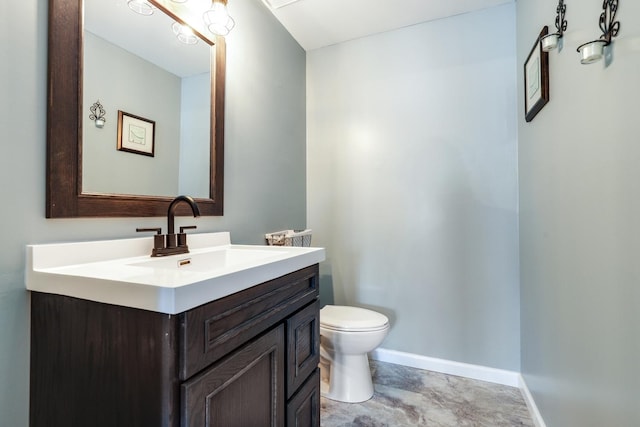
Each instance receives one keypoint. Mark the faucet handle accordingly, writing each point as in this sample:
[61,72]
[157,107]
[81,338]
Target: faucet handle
[158,239]
[182,237]
[157,230]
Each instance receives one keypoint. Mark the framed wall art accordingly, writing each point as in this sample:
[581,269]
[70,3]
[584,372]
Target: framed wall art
[536,79]
[136,134]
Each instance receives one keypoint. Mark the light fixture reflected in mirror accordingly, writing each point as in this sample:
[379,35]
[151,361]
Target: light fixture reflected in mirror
[217,18]
[550,41]
[593,51]
[141,6]
[97,114]
[184,33]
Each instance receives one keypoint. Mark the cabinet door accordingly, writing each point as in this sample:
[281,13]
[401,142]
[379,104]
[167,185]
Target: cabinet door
[245,388]
[303,346]
[303,409]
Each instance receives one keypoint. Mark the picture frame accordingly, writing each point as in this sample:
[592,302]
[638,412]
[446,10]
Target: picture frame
[136,134]
[536,79]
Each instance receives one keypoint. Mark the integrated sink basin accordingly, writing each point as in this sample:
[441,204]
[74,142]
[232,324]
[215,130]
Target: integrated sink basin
[121,272]
[211,260]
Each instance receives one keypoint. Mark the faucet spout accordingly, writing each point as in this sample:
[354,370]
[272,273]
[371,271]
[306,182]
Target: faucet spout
[171,213]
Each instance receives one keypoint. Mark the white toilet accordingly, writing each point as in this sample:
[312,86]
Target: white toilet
[347,334]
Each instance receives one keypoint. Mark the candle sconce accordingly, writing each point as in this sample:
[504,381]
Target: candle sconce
[551,41]
[593,51]
[97,114]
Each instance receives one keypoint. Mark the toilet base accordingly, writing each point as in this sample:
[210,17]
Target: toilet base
[349,378]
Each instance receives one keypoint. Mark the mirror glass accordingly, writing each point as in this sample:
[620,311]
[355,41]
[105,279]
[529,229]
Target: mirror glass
[156,91]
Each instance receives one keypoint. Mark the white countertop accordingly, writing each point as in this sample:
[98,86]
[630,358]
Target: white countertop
[121,271]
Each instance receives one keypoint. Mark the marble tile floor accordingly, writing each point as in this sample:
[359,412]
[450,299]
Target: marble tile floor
[406,397]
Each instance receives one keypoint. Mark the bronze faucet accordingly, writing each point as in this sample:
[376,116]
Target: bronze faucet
[172,244]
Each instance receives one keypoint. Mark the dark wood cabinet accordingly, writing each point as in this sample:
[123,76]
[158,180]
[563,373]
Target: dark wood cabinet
[249,359]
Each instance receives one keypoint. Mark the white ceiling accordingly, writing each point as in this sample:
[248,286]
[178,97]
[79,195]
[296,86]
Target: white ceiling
[113,21]
[319,23]
[313,23]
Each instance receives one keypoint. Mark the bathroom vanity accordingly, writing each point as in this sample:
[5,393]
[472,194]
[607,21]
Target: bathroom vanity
[153,355]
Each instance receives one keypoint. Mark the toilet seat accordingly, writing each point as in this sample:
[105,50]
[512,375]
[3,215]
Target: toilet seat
[352,319]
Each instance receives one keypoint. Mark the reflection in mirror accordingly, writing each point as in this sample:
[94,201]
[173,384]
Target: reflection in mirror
[167,82]
[68,109]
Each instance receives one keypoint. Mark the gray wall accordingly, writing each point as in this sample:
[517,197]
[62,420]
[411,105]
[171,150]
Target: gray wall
[126,82]
[264,170]
[195,139]
[580,223]
[412,184]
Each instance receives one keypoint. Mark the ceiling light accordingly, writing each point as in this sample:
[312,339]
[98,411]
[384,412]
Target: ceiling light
[184,33]
[141,6]
[217,18]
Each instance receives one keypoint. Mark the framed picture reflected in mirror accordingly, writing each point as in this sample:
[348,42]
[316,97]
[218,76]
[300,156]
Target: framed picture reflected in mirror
[136,134]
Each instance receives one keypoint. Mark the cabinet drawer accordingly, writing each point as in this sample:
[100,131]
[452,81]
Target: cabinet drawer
[212,330]
[303,345]
[303,409]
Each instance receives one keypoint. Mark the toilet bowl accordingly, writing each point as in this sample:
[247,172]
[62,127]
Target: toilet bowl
[347,334]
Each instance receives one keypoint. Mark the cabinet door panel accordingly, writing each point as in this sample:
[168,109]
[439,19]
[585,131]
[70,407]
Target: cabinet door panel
[303,345]
[245,388]
[304,408]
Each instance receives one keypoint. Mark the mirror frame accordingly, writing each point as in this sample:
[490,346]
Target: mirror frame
[65,198]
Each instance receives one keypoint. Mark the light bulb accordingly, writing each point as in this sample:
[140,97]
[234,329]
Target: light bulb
[184,33]
[141,6]
[218,20]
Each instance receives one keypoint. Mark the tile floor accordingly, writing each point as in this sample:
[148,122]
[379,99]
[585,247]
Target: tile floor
[412,397]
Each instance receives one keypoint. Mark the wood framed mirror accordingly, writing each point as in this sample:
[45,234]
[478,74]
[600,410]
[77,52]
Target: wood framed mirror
[65,111]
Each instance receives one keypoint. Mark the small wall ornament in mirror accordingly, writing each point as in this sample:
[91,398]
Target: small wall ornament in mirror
[536,78]
[97,114]
[593,51]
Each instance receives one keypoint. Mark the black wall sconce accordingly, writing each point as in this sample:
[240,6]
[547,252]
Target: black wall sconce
[97,114]
[593,51]
[550,41]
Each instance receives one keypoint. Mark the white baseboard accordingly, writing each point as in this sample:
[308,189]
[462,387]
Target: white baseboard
[531,404]
[476,372]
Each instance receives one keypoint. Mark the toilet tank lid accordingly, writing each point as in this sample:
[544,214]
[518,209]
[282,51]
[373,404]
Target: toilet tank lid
[351,318]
